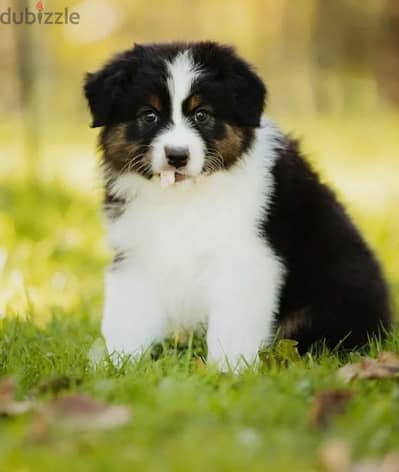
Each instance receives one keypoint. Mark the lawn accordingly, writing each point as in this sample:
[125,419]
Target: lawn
[184,416]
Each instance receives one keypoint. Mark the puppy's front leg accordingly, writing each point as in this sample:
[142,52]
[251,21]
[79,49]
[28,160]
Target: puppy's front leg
[132,315]
[243,303]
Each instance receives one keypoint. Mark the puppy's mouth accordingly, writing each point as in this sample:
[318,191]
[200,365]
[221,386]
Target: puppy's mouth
[171,176]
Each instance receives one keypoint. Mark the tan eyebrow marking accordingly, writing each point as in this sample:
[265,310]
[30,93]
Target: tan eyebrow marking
[194,102]
[155,102]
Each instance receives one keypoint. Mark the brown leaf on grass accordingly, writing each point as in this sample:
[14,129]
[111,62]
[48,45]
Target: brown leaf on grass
[8,405]
[348,372]
[81,412]
[335,456]
[386,365]
[7,389]
[388,464]
[328,404]
[76,412]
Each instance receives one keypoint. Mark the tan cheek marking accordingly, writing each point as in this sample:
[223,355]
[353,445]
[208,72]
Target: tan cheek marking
[230,146]
[117,148]
[194,102]
[290,326]
[155,102]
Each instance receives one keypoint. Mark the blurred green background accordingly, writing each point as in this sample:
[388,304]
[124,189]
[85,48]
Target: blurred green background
[332,71]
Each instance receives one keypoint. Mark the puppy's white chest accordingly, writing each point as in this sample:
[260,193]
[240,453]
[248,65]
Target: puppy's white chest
[180,244]
[181,238]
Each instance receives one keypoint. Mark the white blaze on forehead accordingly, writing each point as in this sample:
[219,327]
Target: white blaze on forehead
[182,73]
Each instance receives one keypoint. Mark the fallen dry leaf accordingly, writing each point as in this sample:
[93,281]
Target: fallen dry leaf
[8,405]
[7,389]
[335,456]
[80,412]
[389,464]
[348,372]
[385,366]
[389,359]
[328,404]
[76,412]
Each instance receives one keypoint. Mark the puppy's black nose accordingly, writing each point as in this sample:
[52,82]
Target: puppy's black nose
[176,156]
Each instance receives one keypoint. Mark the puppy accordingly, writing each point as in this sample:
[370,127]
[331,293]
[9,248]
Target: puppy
[215,217]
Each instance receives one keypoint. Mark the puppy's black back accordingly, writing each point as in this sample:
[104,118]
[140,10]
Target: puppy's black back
[334,289]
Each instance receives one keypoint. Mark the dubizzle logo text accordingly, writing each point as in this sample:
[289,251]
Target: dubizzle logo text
[40,16]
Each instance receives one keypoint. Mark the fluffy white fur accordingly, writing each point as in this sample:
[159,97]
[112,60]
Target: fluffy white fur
[193,255]
[182,73]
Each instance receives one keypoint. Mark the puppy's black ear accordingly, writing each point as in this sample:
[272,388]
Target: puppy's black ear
[249,94]
[243,90]
[106,89]
[102,90]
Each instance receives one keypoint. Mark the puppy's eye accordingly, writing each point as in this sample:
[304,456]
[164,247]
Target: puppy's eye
[150,117]
[201,116]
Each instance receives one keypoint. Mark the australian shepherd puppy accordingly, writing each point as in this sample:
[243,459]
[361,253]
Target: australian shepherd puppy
[215,217]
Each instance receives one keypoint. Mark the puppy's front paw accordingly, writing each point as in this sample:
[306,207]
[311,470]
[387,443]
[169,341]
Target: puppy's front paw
[230,360]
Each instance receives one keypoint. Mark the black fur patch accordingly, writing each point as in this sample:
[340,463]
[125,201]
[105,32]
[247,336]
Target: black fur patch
[334,289]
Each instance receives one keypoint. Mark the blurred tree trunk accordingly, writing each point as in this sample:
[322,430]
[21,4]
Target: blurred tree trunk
[26,62]
[387,61]
[343,47]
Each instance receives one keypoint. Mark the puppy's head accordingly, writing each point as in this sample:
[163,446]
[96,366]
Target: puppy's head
[189,109]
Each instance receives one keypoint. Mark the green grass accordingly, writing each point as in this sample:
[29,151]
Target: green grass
[185,416]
